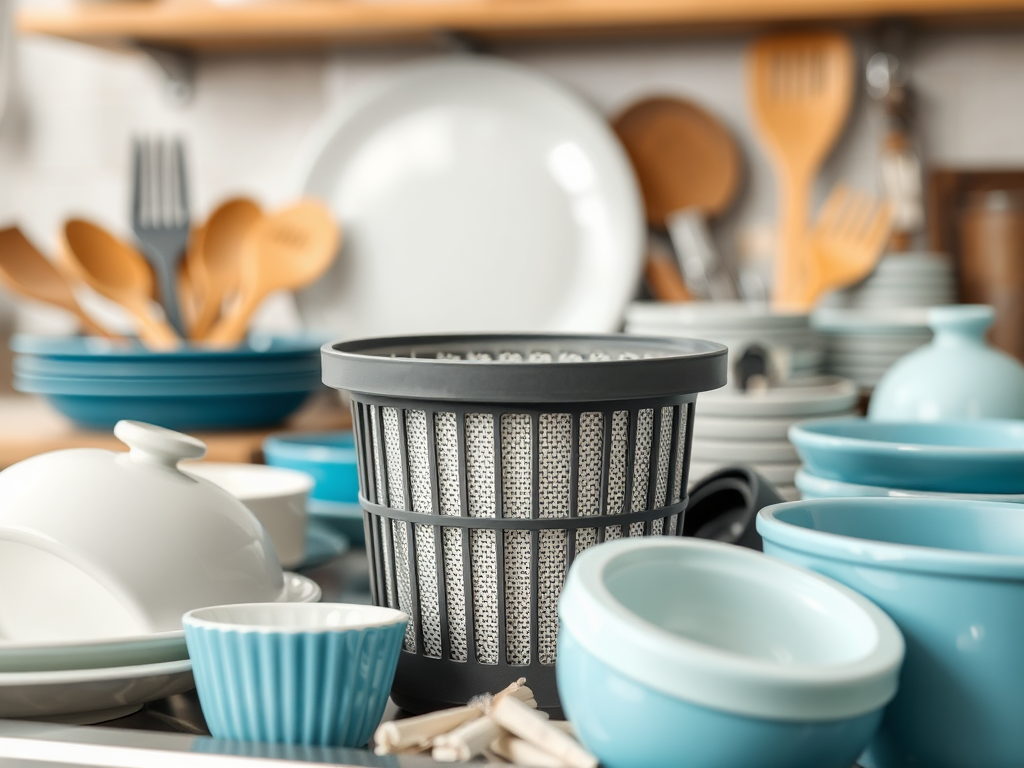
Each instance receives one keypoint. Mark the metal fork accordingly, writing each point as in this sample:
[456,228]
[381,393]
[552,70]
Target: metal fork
[160,214]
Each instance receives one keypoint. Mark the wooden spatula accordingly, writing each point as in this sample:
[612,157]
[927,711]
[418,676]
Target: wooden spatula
[286,251]
[801,86]
[25,270]
[689,168]
[847,240]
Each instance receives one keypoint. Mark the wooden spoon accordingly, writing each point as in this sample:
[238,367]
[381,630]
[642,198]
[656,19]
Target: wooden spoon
[119,272]
[24,270]
[216,261]
[286,251]
[689,168]
[801,86]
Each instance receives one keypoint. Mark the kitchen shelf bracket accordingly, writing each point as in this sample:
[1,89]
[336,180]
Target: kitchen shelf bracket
[179,68]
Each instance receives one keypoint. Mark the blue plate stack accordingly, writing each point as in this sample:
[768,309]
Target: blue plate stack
[96,382]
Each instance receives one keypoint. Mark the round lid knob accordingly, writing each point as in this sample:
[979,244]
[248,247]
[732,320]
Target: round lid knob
[151,444]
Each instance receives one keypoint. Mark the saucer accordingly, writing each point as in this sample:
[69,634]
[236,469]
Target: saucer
[84,696]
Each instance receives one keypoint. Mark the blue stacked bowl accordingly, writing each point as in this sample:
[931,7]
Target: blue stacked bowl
[97,382]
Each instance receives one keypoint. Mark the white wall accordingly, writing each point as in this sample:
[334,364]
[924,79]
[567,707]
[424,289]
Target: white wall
[64,140]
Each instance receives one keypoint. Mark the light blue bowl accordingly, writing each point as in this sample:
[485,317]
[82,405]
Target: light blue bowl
[316,674]
[951,574]
[982,456]
[813,487]
[330,457]
[90,349]
[676,651]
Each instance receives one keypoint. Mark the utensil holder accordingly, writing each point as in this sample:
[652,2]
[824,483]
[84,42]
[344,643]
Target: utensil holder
[487,463]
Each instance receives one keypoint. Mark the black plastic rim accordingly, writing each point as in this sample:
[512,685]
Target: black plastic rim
[386,367]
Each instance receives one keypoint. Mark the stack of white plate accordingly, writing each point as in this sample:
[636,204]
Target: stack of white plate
[794,348]
[902,280]
[751,427]
[863,343]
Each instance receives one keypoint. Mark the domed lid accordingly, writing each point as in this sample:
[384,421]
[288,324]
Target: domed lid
[105,544]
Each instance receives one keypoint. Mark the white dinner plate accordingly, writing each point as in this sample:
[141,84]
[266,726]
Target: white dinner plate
[899,321]
[83,696]
[122,651]
[474,195]
[808,397]
[776,474]
[743,451]
[725,428]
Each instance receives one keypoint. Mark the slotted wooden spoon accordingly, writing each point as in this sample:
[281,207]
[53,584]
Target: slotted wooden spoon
[119,272]
[801,86]
[286,251]
[25,270]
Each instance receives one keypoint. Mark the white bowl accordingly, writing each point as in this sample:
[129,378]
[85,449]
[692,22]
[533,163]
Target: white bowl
[95,543]
[776,474]
[797,397]
[744,451]
[277,496]
[750,428]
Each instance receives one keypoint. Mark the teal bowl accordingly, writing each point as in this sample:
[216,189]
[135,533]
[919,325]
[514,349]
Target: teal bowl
[981,456]
[316,674]
[676,651]
[951,575]
[813,487]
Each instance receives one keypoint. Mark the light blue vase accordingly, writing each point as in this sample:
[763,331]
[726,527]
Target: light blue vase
[956,376]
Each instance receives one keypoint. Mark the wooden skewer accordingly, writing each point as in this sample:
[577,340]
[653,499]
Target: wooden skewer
[519,752]
[530,725]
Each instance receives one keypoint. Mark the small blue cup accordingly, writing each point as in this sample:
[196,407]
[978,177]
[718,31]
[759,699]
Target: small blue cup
[316,674]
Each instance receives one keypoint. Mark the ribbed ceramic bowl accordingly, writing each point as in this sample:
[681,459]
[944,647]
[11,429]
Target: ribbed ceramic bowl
[979,456]
[951,575]
[315,674]
[677,649]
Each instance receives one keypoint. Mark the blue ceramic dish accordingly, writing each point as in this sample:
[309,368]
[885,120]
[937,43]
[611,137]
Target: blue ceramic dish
[317,674]
[96,350]
[677,651]
[162,387]
[330,457]
[813,487]
[274,365]
[951,574]
[982,456]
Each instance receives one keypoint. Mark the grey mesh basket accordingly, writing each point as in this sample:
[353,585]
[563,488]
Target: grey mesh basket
[487,463]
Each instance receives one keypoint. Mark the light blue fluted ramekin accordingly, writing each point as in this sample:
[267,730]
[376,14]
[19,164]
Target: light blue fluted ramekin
[314,674]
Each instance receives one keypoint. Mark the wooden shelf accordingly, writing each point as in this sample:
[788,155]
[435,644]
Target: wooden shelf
[195,25]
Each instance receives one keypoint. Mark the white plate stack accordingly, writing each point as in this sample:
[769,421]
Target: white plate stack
[794,348]
[862,344]
[901,280]
[751,427]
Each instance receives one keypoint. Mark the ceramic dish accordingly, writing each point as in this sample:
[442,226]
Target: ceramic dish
[323,671]
[275,495]
[897,320]
[83,696]
[982,456]
[814,487]
[103,544]
[743,451]
[445,155]
[751,428]
[951,575]
[755,662]
[328,457]
[800,397]
[717,315]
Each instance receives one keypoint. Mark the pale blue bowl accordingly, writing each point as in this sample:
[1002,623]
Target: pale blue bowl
[982,456]
[316,674]
[698,653]
[951,574]
[813,487]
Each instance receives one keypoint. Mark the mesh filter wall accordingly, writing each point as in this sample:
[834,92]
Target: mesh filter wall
[475,513]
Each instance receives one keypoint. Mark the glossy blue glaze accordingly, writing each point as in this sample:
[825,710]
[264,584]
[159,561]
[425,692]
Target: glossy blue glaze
[330,457]
[93,349]
[956,376]
[629,725]
[313,688]
[951,574]
[813,487]
[980,456]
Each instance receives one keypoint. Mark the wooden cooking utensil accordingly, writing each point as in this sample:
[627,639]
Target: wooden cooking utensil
[801,86]
[847,240]
[689,168]
[119,272]
[216,261]
[24,270]
[662,276]
[286,251]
